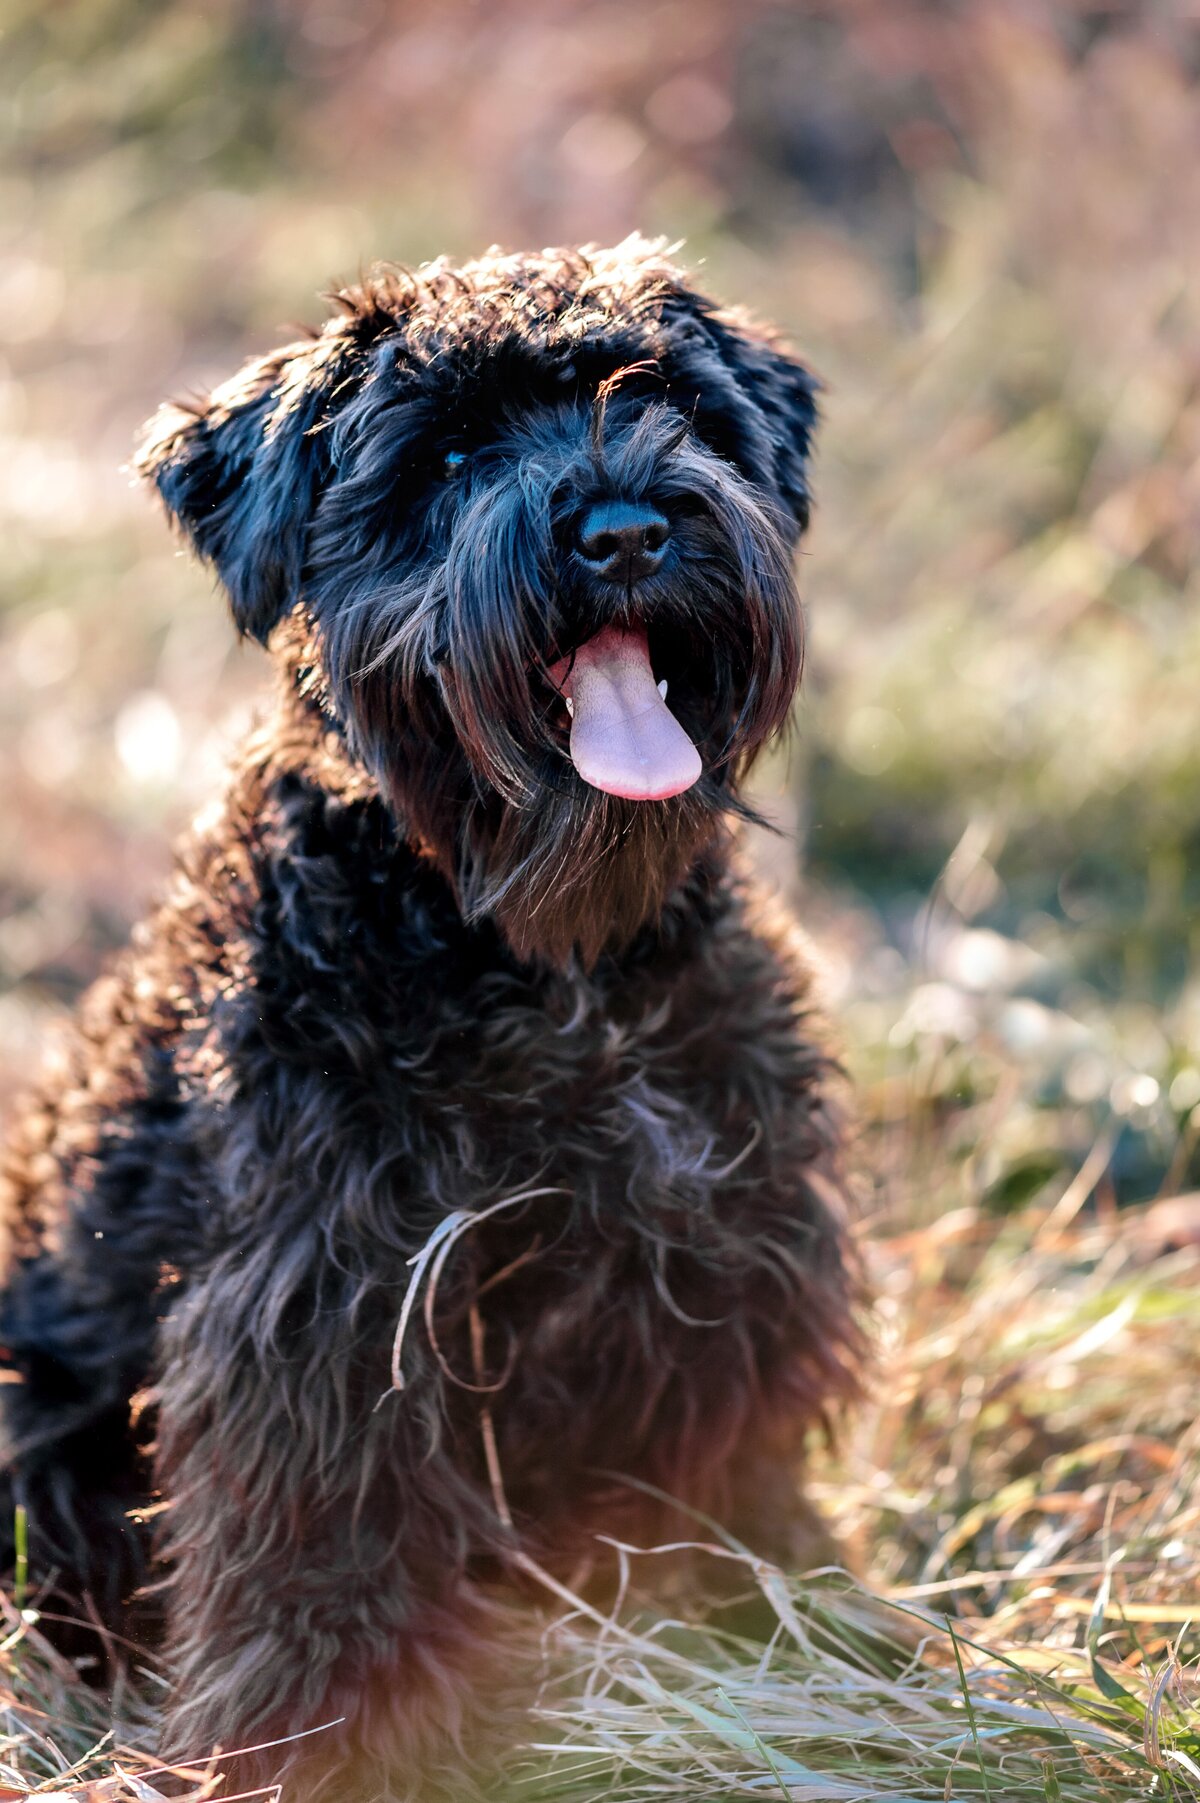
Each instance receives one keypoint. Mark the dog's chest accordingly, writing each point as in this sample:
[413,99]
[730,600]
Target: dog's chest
[405,1124]
[562,1081]
[387,1067]
[430,1080]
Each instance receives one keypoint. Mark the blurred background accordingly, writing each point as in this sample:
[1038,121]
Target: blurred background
[979,222]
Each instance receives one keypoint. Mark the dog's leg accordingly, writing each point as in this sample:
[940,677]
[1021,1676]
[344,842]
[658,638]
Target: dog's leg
[97,1218]
[73,1462]
[318,1547]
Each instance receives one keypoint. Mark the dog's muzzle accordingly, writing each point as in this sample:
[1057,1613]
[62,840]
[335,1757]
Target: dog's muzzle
[624,738]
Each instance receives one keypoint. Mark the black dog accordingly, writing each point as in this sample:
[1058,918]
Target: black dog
[454,1137]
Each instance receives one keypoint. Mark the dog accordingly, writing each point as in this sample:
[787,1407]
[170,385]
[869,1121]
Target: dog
[451,1167]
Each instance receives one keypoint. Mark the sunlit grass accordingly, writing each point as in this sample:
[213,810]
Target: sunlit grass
[1025,1495]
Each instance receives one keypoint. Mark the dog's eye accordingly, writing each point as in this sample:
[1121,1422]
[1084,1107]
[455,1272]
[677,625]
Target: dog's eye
[454,463]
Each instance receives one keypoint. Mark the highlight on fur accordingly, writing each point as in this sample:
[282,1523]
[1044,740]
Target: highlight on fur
[424,1002]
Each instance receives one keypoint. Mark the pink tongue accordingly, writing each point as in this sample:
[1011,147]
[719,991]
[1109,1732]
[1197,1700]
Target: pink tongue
[624,738]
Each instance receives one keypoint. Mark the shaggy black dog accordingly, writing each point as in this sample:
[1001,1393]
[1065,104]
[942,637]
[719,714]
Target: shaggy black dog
[454,1139]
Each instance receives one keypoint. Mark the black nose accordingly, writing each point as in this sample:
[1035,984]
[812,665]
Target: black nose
[623,540]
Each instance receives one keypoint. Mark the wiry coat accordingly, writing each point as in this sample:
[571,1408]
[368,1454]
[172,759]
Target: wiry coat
[396,1007]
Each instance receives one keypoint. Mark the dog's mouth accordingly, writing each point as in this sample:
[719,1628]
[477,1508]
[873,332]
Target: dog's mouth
[624,739]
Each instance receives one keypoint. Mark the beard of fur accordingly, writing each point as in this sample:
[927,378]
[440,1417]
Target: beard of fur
[576,876]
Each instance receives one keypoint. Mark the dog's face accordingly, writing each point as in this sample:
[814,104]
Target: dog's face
[513,502]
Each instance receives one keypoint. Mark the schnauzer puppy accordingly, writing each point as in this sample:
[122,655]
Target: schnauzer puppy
[454,1145]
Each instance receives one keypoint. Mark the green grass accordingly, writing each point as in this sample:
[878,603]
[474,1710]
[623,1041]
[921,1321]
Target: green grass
[851,1701]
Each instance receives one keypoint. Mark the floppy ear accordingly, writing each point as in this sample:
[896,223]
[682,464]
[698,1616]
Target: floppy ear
[719,359]
[241,473]
[785,394]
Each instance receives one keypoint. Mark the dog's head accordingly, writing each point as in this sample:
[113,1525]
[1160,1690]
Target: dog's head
[538,514]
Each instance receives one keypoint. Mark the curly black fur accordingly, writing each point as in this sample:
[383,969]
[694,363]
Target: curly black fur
[413,973]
